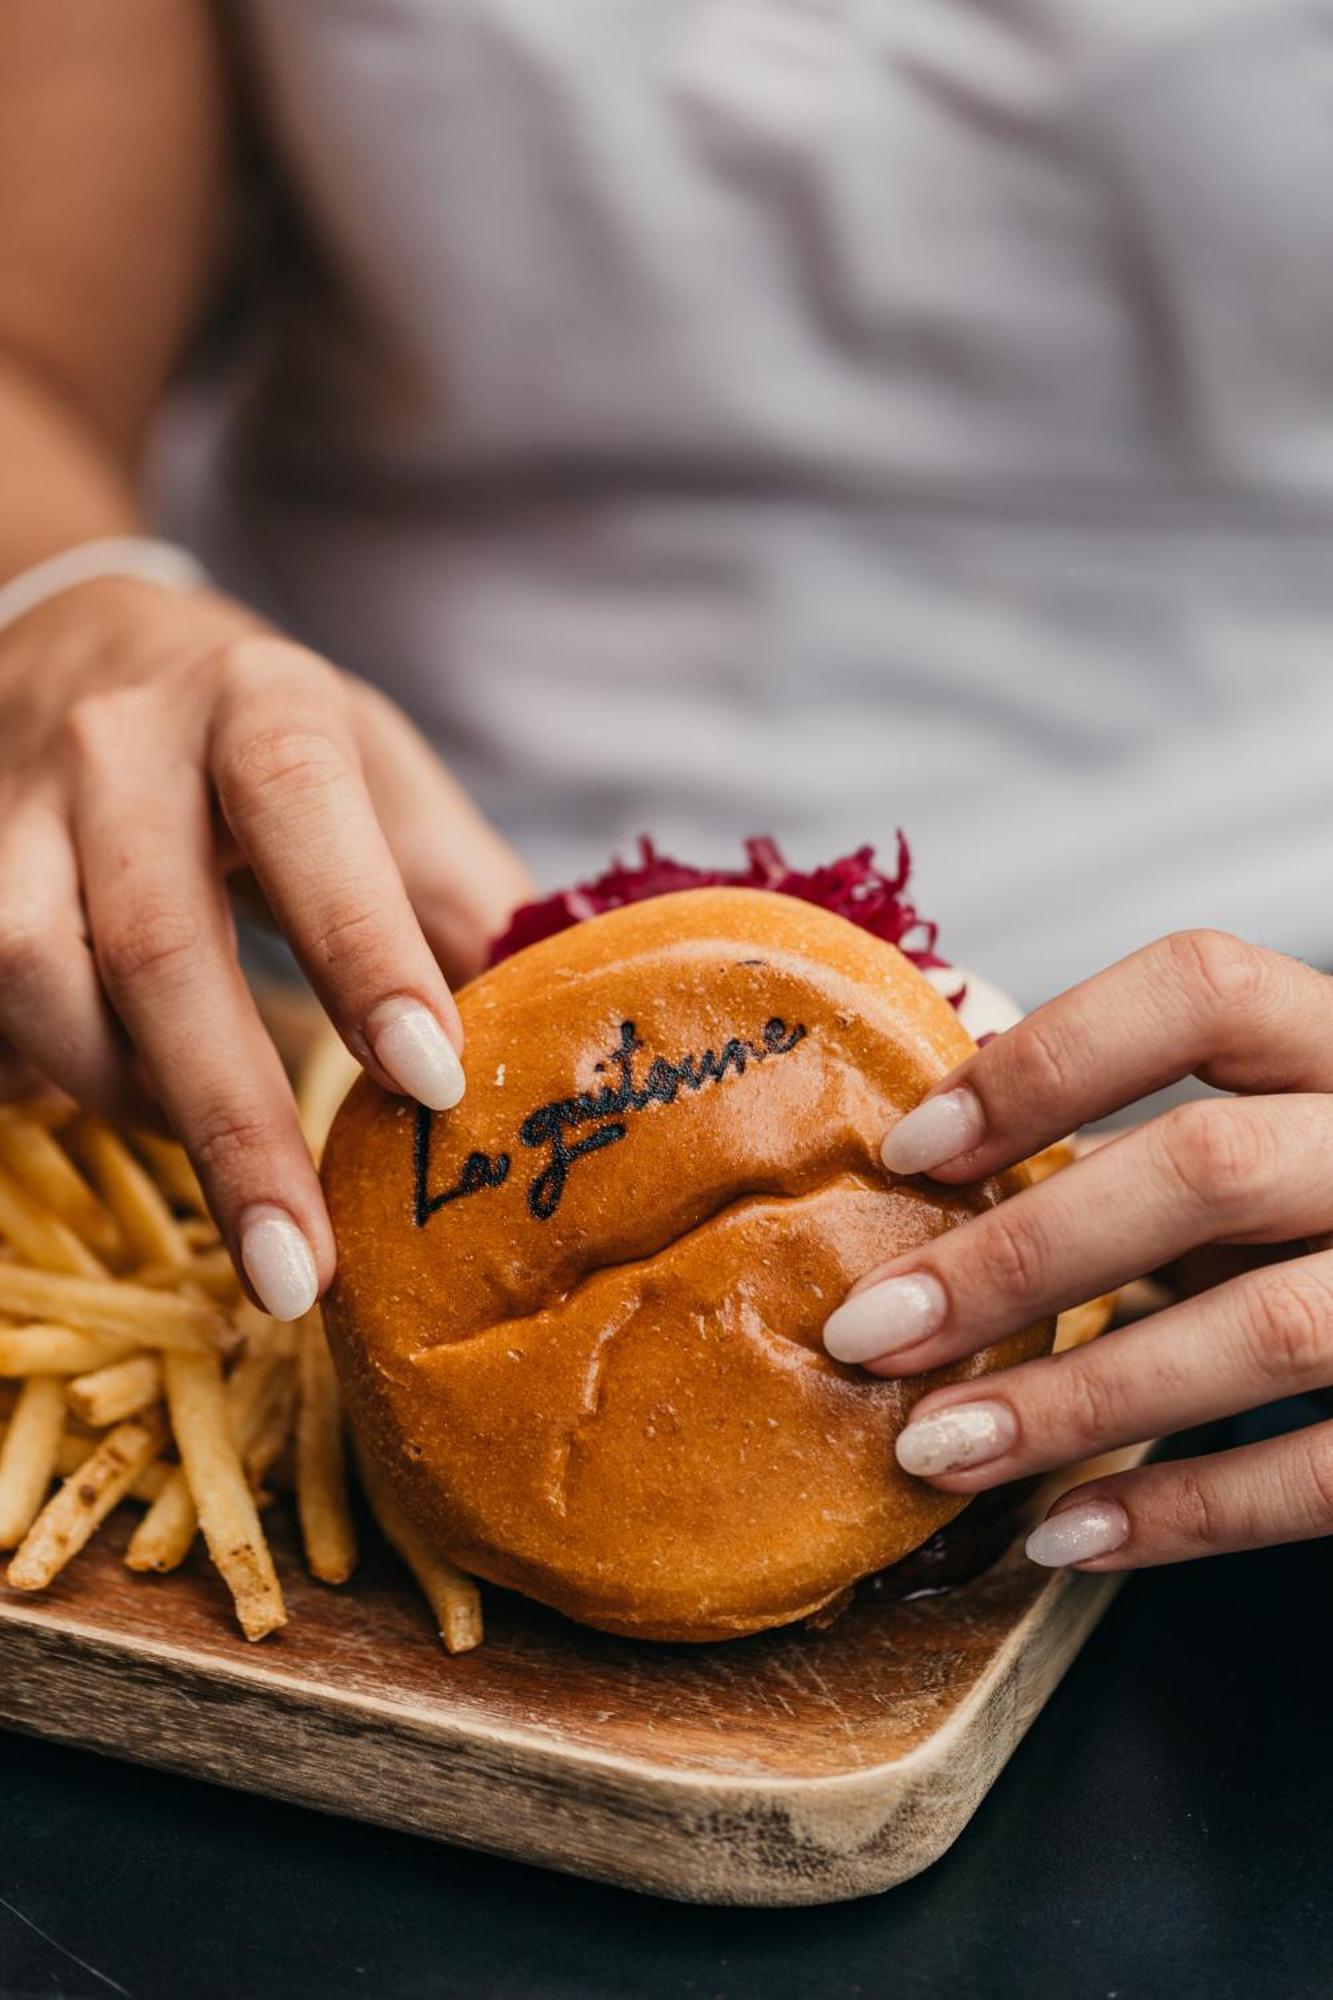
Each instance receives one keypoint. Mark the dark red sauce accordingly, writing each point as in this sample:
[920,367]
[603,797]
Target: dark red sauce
[966,1548]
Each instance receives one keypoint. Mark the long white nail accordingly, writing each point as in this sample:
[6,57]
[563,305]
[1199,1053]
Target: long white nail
[964,1434]
[1078,1534]
[895,1313]
[278,1262]
[938,1130]
[418,1055]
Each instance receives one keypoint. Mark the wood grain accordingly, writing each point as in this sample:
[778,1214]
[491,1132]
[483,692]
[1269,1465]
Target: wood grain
[797,1767]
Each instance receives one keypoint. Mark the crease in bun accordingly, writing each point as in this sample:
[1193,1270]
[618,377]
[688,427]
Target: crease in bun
[579,1318]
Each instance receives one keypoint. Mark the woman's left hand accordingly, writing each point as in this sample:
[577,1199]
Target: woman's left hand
[1254,1168]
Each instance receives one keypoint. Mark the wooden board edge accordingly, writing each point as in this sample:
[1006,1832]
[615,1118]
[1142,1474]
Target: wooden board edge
[697,1837]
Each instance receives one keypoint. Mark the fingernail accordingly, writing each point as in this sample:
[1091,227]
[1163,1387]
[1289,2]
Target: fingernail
[278,1262]
[1078,1534]
[938,1130]
[896,1313]
[964,1434]
[414,1049]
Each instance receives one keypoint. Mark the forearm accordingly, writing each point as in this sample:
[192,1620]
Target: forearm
[116,146]
[61,483]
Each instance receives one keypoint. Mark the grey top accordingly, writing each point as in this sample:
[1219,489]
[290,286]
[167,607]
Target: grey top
[811,416]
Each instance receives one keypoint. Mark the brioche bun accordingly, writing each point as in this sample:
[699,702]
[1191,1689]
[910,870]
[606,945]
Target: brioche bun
[578,1319]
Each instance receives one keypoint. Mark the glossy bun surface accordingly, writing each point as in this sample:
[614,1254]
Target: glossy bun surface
[578,1318]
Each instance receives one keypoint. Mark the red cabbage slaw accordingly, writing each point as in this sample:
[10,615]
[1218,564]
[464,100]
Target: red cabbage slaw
[852,887]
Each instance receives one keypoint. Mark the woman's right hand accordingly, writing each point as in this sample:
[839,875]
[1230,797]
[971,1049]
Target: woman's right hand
[151,745]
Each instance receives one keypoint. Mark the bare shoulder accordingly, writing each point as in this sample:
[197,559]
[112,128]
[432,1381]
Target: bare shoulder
[115,123]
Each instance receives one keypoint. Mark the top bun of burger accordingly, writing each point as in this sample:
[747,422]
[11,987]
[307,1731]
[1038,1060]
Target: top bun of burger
[578,1319]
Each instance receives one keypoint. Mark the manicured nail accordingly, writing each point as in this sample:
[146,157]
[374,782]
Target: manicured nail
[896,1313]
[1078,1534]
[964,1434]
[278,1262]
[938,1130]
[418,1055]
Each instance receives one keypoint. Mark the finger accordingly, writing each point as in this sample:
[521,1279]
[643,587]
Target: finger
[1247,1498]
[1197,1002]
[53,1013]
[1235,1169]
[462,879]
[1262,1336]
[164,946]
[288,778]
[17,1076]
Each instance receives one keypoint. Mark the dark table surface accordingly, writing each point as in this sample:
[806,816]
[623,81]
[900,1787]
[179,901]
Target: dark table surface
[1165,1829]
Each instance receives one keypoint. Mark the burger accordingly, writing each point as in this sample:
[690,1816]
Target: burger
[578,1319]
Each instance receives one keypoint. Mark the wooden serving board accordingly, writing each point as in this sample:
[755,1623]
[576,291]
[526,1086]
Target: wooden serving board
[799,1767]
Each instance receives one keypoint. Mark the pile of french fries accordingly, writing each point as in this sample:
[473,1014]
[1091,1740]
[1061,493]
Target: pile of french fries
[132,1369]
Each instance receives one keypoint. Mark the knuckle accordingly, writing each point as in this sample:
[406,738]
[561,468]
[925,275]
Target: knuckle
[1220,1154]
[1228,972]
[147,938]
[283,757]
[1291,1328]
[1319,1467]
[227,1140]
[1193,1512]
[96,721]
[1015,1253]
[82,726]
[350,942]
[1088,1403]
[1049,1061]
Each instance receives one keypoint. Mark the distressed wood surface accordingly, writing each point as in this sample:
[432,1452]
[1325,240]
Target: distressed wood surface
[798,1767]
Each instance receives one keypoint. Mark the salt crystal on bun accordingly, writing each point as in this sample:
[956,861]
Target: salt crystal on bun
[578,1318]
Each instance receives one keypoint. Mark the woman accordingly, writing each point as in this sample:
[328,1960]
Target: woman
[852,412]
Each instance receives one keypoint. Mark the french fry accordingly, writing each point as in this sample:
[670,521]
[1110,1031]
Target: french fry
[325,1077]
[51,1109]
[1052,1159]
[123,1311]
[85,1499]
[130,1192]
[164,1537]
[281,1475]
[258,1334]
[166,1533]
[44,1169]
[144,1487]
[210,1271]
[453,1597]
[28,1455]
[271,1427]
[97,1372]
[40,1237]
[57,1350]
[322,1499]
[227,1513]
[1078,1324]
[171,1168]
[1081,1323]
[108,1395]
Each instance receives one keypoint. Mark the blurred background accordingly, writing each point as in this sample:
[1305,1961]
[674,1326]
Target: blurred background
[810,417]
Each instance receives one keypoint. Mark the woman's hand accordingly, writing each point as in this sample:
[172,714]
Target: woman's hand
[1254,1168]
[150,746]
